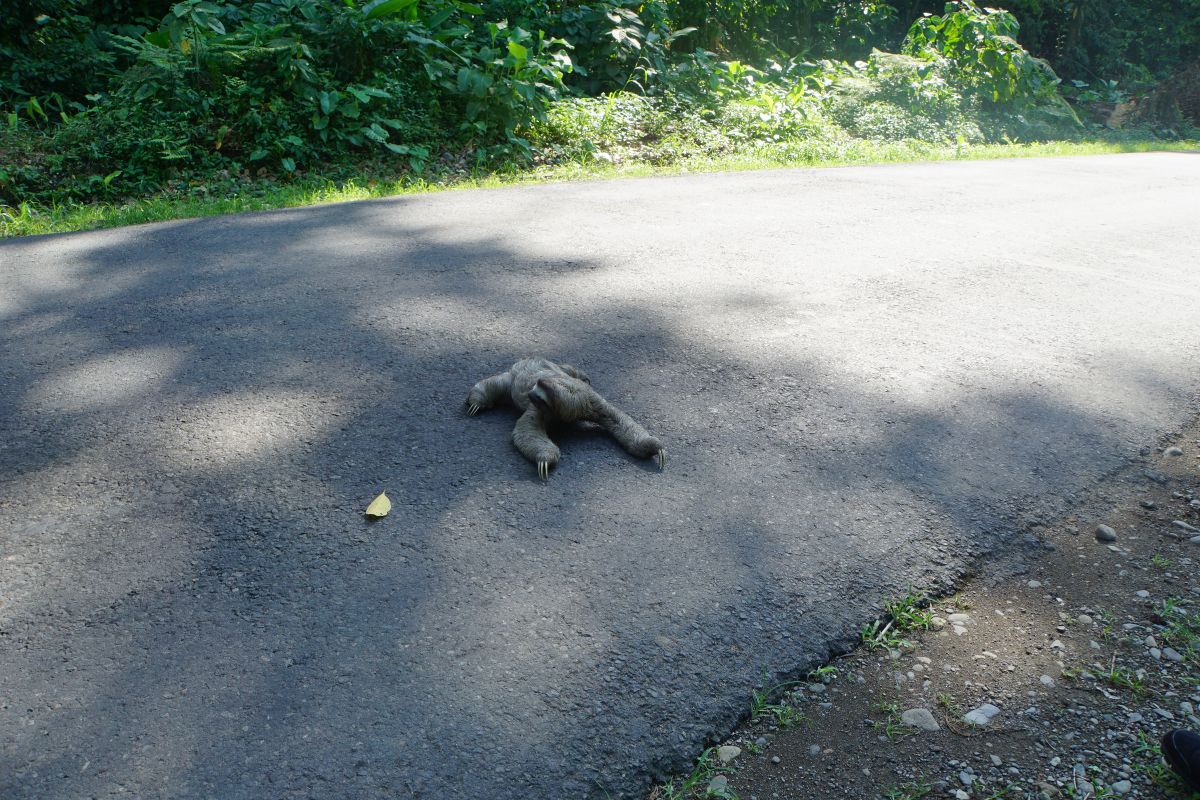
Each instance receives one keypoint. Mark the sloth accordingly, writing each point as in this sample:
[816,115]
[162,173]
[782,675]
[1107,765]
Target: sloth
[549,393]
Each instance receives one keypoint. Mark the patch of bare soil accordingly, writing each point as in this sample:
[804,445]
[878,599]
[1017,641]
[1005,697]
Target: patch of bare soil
[1054,677]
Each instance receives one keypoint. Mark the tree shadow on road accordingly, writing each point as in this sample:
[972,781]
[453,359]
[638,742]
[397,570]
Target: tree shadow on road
[194,415]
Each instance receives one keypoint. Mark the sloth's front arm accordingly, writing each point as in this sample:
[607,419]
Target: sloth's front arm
[489,392]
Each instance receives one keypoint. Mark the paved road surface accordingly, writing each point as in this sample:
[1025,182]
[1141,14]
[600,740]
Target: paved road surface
[865,376]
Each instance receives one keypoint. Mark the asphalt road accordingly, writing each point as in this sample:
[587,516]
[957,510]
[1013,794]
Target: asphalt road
[865,377]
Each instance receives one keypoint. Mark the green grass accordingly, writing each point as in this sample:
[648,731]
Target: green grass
[907,613]
[25,220]
[891,726]
[785,715]
[909,791]
[696,781]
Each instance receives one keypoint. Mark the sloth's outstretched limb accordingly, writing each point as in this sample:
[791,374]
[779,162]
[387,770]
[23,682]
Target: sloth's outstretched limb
[531,439]
[489,392]
[636,440]
[575,372]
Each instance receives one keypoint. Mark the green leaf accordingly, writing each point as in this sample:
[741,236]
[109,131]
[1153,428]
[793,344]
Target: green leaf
[518,51]
[159,39]
[382,8]
[329,101]
[288,164]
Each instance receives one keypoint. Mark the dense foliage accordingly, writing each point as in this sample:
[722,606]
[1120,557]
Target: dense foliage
[112,98]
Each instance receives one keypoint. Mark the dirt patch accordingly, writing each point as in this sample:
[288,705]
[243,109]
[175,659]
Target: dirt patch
[1079,659]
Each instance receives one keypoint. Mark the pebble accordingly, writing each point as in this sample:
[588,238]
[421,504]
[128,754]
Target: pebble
[728,752]
[1105,534]
[1084,619]
[775,759]
[1150,641]
[719,785]
[966,778]
[1178,523]
[996,760]
[959,794]
[1047,681]
[1171,654]
[1149,504]
[1194,540]
[982,715]
[760,741]
[814,750]
[1035,584]
[1186,708]
[1122,787]
[1142,593]
[1054,762]
[959,619]
[1173,451]
[921,718]
[1155,653]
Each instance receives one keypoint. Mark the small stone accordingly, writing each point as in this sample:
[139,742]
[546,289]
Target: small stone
[959,619]
[1171,654]
[1047,681]
[728,752]
[982,715]
[967,778]
[1142,593]
[1084,619]
[1054,762]
[814,750]
[1178,523]
[1035,584]
[1150,641]
[1173,451]
[1134,716]
[1155,653]
[1194,540]
[937,623]
[719,785]
[760,741]
[816,688]
[1057,645]
[1150,504]
[775,759]
[1105,534]
[996,760]
[920,718]
[959,794]
[1186,708]
[1122,787]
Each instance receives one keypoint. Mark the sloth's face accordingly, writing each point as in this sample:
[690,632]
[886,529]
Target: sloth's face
[565,398]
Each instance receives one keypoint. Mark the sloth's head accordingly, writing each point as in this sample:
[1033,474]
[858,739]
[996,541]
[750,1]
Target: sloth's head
[565,398]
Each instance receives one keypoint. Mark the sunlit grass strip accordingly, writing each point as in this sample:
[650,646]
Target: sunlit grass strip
[26,220]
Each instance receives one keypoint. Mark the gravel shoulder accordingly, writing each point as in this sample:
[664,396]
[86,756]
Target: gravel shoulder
[1053,673]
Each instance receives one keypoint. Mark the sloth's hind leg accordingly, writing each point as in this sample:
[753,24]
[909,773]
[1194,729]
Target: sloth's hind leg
[636,440]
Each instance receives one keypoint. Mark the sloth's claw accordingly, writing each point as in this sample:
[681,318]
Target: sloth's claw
[472,409]
[662,459]
[543,469]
